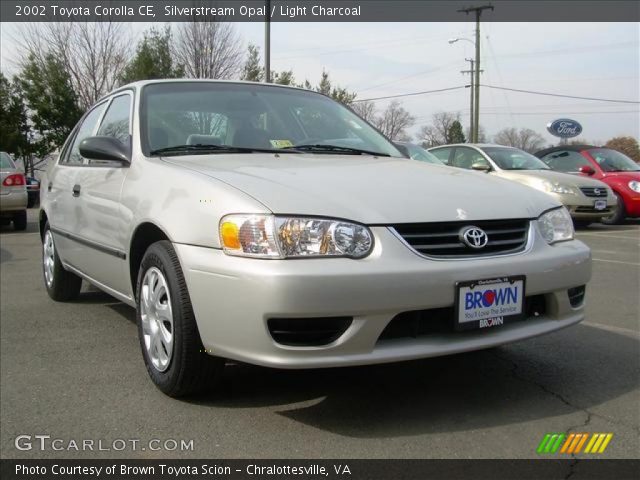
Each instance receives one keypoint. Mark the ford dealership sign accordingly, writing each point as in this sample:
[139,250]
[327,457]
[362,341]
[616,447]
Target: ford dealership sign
[564,128]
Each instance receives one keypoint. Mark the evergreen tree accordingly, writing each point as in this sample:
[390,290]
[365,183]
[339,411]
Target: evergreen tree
[152,59]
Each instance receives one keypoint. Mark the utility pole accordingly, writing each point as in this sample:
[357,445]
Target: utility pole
[267,41]
[478,11]
[471,71]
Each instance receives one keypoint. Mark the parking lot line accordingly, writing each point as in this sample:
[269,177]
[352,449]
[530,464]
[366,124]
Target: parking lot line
[615,261]
[580,234]
[611,328]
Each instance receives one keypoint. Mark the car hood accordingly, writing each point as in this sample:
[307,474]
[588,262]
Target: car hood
[368,189]
[534,178]
[628,176]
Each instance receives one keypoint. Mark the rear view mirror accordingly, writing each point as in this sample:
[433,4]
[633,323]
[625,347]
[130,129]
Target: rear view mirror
[105,148]
[482,167]
[587,170]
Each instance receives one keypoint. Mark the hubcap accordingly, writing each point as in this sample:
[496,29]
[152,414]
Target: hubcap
[157,319]
[48,258]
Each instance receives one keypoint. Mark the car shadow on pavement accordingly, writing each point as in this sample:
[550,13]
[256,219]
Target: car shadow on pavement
[32,227]
[559,374]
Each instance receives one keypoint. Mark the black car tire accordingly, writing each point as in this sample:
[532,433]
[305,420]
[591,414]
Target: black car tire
[618,215]
[65,285]
[191,369]
[20,220]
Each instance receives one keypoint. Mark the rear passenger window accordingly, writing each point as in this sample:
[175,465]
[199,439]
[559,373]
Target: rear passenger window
[116,121]
[86,129]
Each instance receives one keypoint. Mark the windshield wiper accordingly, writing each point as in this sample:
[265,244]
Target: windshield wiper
[318,147]
[210,148]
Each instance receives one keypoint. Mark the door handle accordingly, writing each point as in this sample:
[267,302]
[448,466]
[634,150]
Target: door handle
[76,190]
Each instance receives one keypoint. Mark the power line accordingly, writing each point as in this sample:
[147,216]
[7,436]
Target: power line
[410,94]
[560,95]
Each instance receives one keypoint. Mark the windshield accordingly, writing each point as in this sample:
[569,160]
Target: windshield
[418,153]
[5,161]
[514,159]
[249,116]
[613,161]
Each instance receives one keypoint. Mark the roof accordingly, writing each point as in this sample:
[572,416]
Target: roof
[142,83]
[571,148]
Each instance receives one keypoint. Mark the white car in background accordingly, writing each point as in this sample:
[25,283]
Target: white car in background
[271,225]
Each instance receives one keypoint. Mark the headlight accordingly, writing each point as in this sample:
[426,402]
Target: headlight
[557,188]
[269,236]
[634,185]
[556,225]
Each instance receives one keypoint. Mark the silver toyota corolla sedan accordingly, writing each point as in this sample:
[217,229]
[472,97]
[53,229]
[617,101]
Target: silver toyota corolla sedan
[272,225]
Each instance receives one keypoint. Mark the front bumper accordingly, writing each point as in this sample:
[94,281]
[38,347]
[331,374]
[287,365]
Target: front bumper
[234,297]
[632,204]
[582,207]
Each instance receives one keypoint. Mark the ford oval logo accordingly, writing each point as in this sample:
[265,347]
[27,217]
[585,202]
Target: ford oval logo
[564,128]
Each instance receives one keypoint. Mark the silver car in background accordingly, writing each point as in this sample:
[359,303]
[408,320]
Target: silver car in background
[587,200]
[13,193]
[271,225]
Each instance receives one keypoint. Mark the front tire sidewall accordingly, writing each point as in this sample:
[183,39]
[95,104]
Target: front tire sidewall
[619,214]
[159,256]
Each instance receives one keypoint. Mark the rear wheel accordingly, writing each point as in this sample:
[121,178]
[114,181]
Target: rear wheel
[61,285]
[618,215]
[169,338]
[20,220]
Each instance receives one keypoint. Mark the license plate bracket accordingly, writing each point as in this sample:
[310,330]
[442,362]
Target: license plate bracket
[492,302]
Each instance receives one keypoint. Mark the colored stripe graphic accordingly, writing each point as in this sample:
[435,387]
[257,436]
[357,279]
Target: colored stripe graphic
[550,443]
[573,443]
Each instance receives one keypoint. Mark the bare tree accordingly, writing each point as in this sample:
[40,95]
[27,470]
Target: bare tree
[439,132]
[209,50]
[94,54]
[524,139]
[394,121]
[366,110]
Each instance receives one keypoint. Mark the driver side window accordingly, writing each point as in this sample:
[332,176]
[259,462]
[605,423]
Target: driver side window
[464,157]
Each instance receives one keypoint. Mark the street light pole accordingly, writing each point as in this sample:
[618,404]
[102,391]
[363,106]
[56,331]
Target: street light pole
[478,12]
[267,41]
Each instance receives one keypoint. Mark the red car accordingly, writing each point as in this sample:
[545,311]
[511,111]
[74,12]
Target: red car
[615,169]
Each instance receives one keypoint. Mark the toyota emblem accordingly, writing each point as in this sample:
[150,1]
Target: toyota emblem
[474,237]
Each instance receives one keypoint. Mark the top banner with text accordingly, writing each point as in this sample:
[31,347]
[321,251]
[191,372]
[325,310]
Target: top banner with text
[316,11]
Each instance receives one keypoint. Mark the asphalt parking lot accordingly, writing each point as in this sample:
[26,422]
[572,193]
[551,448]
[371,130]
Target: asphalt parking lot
[74,371]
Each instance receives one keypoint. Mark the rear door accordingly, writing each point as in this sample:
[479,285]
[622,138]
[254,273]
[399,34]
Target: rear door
[99,220]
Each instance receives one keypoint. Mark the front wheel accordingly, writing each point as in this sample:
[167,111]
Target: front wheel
[61,285]
[171,347]
[618,215]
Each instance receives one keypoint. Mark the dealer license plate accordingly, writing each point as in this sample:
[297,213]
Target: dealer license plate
[600,204]
[489,303]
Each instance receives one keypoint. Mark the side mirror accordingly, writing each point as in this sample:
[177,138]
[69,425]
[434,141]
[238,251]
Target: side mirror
[105,148]
[481,167]
[403,149]
[587,170]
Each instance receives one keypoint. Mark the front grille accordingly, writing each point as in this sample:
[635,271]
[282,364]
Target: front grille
[443,240]
[307,332]
[597,192]
[420,323]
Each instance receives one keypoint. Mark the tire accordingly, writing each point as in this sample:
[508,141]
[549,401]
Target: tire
[61,285]
[169,338]
[20,220]
[618,215]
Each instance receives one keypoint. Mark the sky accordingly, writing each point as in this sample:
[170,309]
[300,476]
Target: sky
[381,59]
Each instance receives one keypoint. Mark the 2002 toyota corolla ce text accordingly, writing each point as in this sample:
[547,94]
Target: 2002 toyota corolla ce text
[272,225]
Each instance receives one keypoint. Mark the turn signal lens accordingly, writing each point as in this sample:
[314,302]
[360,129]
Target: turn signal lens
[230,235]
